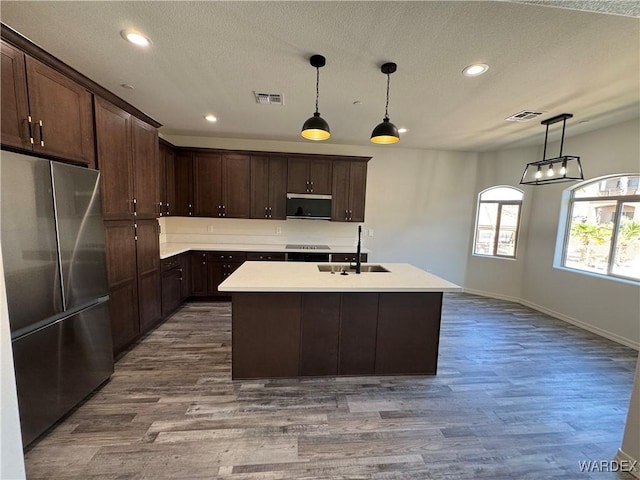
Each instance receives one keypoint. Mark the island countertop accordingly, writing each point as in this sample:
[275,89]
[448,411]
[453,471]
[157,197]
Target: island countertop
[305,277]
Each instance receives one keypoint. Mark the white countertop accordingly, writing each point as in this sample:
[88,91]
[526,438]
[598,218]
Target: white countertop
[305,277]
[170,249]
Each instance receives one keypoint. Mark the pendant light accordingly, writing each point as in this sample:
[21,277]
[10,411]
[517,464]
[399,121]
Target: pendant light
[563,168]
[316,128]
[386,132]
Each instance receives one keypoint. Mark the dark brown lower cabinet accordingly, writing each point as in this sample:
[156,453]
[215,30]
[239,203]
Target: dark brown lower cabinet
[133,270]
[320,333]
[408,332]
[199,274]
[171,290]
[123,282]
[358,330]
[266,342]
[148,263]
[335,334]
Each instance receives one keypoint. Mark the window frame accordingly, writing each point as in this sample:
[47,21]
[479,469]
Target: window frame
[567,218]
[496,236]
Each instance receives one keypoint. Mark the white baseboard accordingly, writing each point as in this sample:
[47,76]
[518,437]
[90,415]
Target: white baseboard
[622,456]
[560,316]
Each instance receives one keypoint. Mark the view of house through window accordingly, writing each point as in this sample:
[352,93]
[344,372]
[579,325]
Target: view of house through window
[603,231]
[497,222]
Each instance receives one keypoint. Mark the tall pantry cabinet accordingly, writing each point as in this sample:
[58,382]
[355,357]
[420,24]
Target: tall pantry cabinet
[129,164]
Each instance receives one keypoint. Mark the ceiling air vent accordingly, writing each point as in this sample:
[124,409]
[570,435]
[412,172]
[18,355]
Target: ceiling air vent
[269,98]
[523,116]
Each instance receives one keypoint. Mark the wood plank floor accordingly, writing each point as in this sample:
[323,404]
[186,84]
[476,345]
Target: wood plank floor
[518,395]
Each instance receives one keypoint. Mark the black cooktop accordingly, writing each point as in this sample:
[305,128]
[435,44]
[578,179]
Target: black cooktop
[307,247]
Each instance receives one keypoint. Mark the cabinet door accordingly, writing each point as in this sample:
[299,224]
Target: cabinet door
[320,175]
[358,328]
[320,333]
[199,274]
[182,189]
[277,188]
[259,186]
[207,184]
[236,186]
[216,274]
[15,130]
[357,191]
[340,196]
[171,290]
[265,335]
[185,275]
[148,262]
[123,285]
[64,110]
[113,132]
[146,169]
[297,175]
[167,178]
[408,323]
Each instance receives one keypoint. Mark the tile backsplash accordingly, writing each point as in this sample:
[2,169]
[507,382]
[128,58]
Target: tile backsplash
[262,232]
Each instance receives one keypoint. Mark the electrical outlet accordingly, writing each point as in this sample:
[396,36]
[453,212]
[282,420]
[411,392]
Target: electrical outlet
[278,230]
[209,228]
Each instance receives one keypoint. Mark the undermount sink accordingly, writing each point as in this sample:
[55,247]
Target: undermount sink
[351,268]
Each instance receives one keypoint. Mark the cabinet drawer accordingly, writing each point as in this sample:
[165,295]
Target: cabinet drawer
[225,256]
[266,256]
[169,263]
[348,257]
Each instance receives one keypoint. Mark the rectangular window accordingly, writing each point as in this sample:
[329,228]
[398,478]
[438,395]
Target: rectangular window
[590,235]
[603,228]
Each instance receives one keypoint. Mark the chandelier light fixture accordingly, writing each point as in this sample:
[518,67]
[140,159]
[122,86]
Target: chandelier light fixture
[316,128]
[563,168]
[386,132]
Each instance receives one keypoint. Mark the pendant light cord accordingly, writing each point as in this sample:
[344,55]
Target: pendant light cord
[386,107]
[317,86]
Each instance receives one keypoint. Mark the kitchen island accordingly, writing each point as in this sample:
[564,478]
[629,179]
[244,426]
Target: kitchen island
[292,319]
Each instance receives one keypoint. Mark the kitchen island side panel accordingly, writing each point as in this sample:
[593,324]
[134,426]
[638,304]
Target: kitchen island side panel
[408,333]
[266,335]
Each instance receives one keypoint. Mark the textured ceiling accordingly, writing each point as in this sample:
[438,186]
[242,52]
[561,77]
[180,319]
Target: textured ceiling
[209,57]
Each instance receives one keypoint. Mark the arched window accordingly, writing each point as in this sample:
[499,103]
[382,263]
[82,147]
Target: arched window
[602,222]
[498,222]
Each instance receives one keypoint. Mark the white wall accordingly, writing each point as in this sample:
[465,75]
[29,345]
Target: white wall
[608,307]
[418,204]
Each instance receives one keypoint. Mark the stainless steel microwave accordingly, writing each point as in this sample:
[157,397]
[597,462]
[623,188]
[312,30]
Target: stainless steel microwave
[308,206]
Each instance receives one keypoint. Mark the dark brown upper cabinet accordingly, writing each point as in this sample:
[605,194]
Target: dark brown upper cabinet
[268,187]
[128,162]
[146,170]
[167,178]
[180,193]
[309,175]
[44,111]
[113,135]
[222,185]
[349,190]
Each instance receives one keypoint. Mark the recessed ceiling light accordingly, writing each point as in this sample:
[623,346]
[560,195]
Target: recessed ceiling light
[210,118]
[475,69]
[403,130]
[128,86]
[136,38]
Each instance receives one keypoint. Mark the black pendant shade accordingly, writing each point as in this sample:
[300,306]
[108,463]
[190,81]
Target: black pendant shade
[316,128]
[386,132]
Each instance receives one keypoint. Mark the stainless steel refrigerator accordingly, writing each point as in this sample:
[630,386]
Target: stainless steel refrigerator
[53,249]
